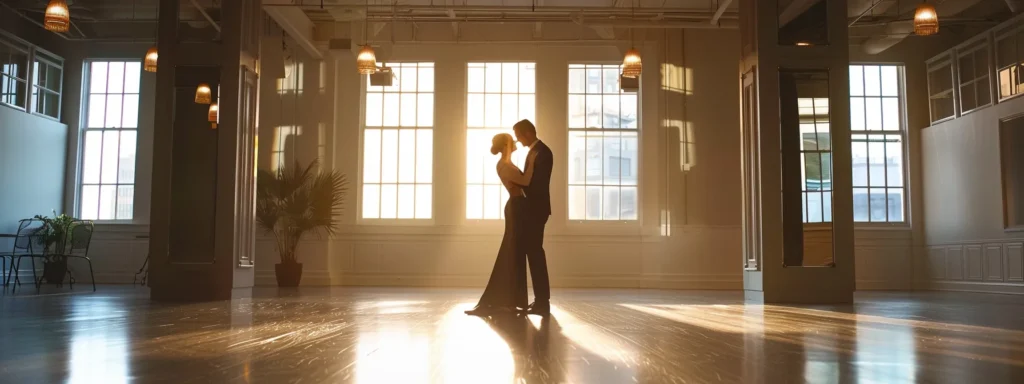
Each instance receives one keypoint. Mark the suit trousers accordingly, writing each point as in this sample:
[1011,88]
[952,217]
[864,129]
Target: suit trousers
[532,247]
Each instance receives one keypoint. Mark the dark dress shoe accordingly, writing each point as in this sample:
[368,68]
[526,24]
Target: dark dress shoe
[542,309]
[485,311]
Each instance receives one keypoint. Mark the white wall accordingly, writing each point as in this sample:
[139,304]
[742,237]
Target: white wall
[967,247]
[32,150]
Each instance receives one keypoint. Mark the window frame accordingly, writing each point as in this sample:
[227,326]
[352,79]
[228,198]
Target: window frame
[905,147]
[82,128]
[614,223]
[937,64]
[1015,33]
[971,48]
[1008,227]
[53,60]
[32,54]
[483,221]
[364,90]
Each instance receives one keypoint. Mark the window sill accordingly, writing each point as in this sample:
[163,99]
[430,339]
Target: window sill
[1014,229]
[881,227]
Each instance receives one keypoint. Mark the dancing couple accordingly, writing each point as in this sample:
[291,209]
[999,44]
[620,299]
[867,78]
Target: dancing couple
[526,213]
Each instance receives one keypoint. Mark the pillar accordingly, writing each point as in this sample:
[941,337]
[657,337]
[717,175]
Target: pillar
[203,203]
[797,195]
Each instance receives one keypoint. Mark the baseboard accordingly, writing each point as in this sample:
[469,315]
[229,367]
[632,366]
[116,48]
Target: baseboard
[703,282]
[962,286]
[883,285]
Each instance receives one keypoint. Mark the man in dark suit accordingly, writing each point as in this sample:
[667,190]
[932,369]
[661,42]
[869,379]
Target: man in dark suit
[538,209]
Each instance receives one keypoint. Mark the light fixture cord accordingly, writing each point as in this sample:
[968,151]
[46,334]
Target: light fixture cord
[366,24]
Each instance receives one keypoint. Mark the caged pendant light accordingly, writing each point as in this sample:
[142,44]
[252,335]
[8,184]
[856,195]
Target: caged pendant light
[57,17]
[366,61]
[149,63]
[203,94]
[631,63]
[926,20]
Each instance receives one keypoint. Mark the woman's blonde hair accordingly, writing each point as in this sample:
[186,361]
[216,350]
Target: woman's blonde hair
[499,142]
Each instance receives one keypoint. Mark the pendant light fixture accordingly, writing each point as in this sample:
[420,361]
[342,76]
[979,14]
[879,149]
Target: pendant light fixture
[203,94]
[57,17]
[926,20]
[149,63]
[366,61]
[631,64]
[213,116]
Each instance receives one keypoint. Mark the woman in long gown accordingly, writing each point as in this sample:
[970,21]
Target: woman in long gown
[503,294]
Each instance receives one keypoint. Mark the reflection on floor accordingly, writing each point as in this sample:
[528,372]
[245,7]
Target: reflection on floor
[406,335]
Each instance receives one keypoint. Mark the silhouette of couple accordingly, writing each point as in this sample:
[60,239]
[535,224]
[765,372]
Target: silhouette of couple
[526,213]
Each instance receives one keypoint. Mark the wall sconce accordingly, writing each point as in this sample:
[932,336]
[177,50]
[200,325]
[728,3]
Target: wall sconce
[214,115]
[149,63]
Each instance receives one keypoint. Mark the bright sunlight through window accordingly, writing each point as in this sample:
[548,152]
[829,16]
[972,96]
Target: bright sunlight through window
[500,94]
[876,125]
[603,145]
[398,145]
[108,140]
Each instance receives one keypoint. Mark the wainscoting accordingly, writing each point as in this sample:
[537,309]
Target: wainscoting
[979,266]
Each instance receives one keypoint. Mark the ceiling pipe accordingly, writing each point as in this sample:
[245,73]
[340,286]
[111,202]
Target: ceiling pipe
[1015,5]
[206,15]
[721,10]
[874,4]
[898,30]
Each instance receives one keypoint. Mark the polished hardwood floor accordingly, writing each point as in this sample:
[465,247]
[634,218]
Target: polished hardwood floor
[408,335]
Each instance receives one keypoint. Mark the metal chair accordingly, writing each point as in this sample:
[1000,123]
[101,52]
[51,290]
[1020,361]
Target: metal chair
[23,242]
[78,248]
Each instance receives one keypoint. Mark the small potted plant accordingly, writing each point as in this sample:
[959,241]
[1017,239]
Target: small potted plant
[55,235]
[291,204]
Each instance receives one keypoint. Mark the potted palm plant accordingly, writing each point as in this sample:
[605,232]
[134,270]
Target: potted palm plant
[291,204]
[55,235]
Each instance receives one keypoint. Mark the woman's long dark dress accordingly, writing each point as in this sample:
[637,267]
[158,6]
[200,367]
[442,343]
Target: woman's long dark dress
[502,289]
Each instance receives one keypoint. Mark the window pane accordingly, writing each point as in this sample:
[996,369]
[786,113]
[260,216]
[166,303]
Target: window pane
[474,201]
[856,80]
[475,110]
[426,79]
[509,109]
[371,156]
[594,112]
[406,201]
[895,204]
[371,201]
[857,114]
[132,77]
[873,115]
[125,202]
[826,206]
[374,109]
[890,81]
[92,150]
[860,204]
[389,201]
[628,204]
[878,205]
[611,203]
[630,159]
[629,108]
[891,113]
[611,111]
[90,202]
[611,80]
[577,80]
[115,77]
[595,168]
[527,105]
[97,111]
[509,77]
[109,158]
[493,74]
[425,110]
[98,77]
[108,202]
[593,203]
[408,110]
[407,79]
[492,201]
[126,158]
[424,156]
[476,79]
[113,112]
[876,156]
[389,157]
[860,163]
[593,80]
[492,113]
[423,201]
[130,118]
[894,162]
[392,111]
[872,78]
[527,77]
[576,109]
[577,203]
[577,157]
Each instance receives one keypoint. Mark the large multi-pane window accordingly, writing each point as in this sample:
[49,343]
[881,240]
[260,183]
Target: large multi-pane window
[1010,63]
[111,110]
[603,145]
[499,95]
[816,149]
[13,72]
[47,73]
[878,136]
[398,145]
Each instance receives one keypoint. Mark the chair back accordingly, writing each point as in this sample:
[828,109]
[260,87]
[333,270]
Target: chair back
[81,237]
[26,236]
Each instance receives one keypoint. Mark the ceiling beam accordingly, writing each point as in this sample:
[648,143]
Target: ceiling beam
[295,22]
[722,5]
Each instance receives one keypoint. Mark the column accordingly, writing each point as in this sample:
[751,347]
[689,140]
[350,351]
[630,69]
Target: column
[203,202]
[797,195]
